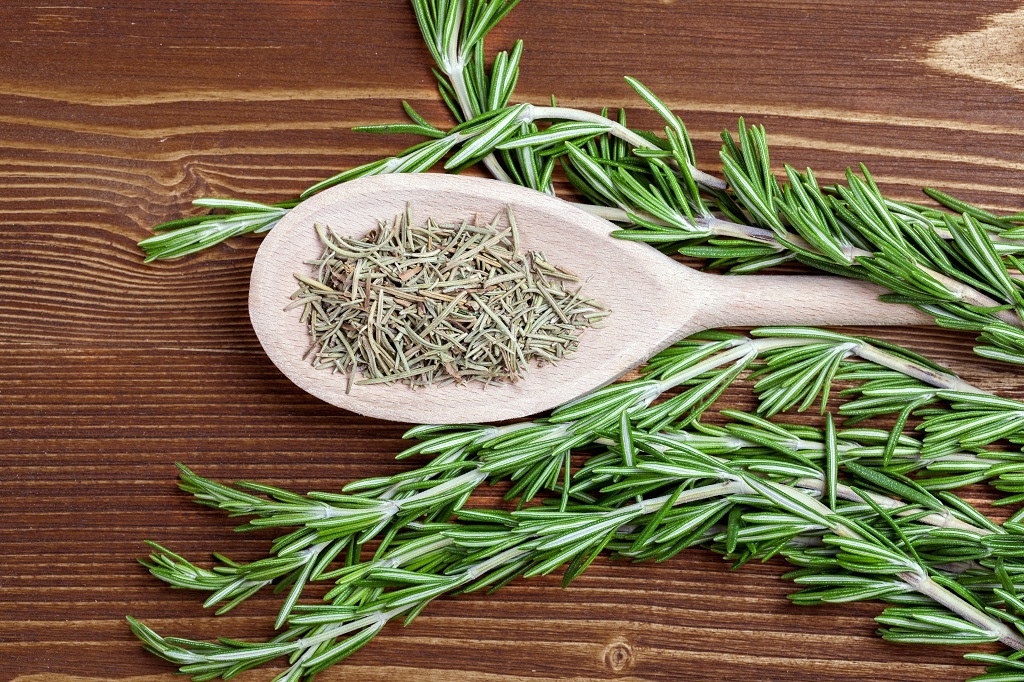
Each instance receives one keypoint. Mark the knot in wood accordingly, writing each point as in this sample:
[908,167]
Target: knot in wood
[618,656]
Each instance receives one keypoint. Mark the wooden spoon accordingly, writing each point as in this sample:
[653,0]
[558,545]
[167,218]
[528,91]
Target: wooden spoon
[654,301]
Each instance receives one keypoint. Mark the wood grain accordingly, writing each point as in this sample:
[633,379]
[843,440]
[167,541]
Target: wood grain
[113,116]
[992,53]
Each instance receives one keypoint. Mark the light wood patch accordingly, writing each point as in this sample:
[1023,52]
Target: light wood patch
[994,53]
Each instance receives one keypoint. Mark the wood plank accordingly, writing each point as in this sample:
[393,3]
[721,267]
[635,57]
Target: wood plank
[113,116]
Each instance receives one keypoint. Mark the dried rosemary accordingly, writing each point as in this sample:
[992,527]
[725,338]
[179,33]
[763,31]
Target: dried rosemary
[435,304]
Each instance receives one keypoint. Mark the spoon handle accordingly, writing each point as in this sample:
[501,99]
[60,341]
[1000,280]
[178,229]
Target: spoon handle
[800,301]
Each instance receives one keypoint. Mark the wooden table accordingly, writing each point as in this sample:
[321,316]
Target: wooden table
[113,116]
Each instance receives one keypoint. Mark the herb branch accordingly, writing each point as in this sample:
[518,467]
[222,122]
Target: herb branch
[863,513]
[959,264]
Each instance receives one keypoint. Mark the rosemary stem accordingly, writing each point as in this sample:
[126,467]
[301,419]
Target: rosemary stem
[377,618]
[743,349]
[912,369]
[721,489]
[458,79]
[616,129]
[725,228]
[920,581]
[477,570]
[939,520]
[455,70]
[472,478]
[924,584]
[709,225]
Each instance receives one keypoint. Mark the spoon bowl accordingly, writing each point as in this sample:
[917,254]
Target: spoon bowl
[654,301]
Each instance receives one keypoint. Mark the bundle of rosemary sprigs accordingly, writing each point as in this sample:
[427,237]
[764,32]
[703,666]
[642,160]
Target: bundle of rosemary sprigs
[639,469]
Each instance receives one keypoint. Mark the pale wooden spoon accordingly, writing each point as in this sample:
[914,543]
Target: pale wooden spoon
[654,300]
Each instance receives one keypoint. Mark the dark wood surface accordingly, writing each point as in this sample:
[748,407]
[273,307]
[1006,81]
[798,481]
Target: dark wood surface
[113,116]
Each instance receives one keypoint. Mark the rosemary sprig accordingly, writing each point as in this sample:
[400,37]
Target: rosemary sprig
[190,235]
[646,466]
[494,547]
[959,266]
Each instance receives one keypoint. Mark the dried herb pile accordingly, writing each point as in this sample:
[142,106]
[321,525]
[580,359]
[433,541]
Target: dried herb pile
[437,303]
